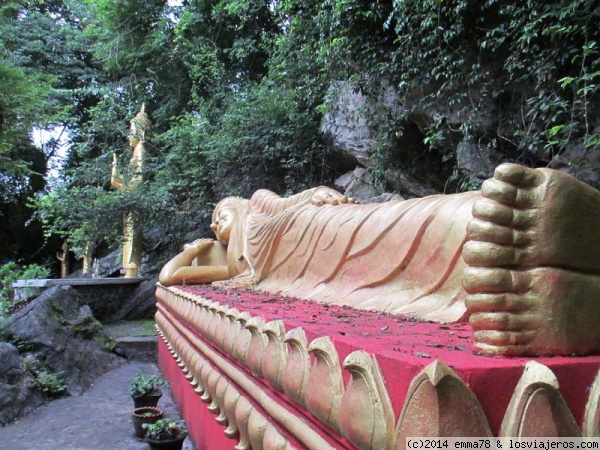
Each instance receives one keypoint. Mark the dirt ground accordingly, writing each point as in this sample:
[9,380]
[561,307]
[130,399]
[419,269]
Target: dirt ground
[97,420]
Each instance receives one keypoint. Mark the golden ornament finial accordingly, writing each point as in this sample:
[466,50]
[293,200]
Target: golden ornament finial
[141,124]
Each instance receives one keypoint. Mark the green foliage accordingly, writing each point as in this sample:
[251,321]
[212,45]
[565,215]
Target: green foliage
[236,90]
[21,344]
[45,72]
[50,383]
[11,272]
[43,377]
[143,384]
[165,429]
[534,64]
[261,129]
[21,99]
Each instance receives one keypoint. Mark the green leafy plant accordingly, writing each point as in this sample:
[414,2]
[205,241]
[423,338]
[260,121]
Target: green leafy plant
[11,272]
[143,384]
[166,429]
[50,383]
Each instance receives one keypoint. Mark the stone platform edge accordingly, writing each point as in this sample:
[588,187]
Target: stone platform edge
[305,390]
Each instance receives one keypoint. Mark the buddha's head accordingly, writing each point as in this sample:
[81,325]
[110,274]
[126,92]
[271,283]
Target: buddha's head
[225,216]
[139,126]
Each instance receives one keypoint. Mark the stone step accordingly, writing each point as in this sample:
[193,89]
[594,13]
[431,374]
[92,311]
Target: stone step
[138,348]
[136,340]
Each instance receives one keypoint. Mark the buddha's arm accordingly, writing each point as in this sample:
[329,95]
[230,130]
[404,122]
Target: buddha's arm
[198,275]
[324,195]
[116,179]
[179,270]
[267,201]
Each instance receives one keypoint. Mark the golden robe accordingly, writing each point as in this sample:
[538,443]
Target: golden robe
[401,257]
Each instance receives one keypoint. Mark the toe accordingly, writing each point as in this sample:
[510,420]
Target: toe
[477,303]
[495,280]
[509,194]
[487,254]
[490,211]
[482,348]
[519,176]
[503,321]
[479,230]
[499,191]
[503,338]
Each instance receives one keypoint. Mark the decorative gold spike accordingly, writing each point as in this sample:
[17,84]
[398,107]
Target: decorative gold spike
[324,389]
[240,346]
[256,345]
[232,396]
[200,365]
[591,419]
[297,367]
[207,375]
[216,331]
[257,426]
[213,320]
[273,440]
[438,403]
[537,408]
[232,330]
[222,387]
[275,354]
[243,409]
[366,413]
[211,387]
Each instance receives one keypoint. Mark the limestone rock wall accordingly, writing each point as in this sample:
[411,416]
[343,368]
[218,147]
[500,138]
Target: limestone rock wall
[355,121]
[55,337]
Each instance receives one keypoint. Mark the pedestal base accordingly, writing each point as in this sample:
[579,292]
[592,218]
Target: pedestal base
[287,373]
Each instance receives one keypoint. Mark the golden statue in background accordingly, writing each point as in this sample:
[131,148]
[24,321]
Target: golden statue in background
[520,259]
[132,234]
[63,257]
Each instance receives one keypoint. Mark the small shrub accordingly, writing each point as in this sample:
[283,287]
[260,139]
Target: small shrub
[165,429]
[143,384]
[50,383]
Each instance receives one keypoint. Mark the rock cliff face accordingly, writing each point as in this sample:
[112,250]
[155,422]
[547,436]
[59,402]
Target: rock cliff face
[53,346]
[356,121]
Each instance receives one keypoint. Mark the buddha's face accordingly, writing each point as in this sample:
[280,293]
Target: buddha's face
[225,218]
[134,133]
[133,140]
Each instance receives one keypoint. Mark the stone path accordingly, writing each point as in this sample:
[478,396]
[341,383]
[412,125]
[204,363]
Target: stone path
[99,419]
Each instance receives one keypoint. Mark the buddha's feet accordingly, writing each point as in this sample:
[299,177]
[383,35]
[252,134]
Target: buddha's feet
[533,264]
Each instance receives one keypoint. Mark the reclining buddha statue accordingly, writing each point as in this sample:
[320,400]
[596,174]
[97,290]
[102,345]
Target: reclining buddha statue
[519,259]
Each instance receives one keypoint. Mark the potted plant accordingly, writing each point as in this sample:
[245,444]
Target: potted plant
[145,414]
[145,389]
[166,434]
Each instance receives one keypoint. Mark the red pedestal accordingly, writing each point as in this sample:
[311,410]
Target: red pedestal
[204,431]
[403,348]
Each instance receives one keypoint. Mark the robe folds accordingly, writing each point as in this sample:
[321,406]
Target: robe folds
[400,257]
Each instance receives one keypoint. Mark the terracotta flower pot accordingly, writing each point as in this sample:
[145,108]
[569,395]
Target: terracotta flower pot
[151,400]
[143,415]
[170,444]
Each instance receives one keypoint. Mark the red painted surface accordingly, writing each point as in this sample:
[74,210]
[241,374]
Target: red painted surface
[404,347]
[204,430]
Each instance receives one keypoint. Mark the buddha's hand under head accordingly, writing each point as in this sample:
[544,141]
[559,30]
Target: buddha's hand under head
[199,244]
